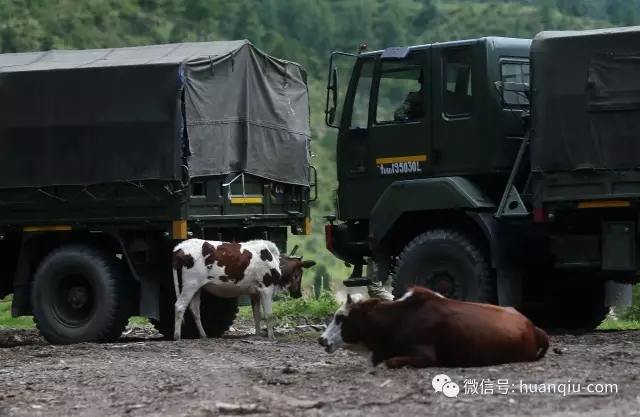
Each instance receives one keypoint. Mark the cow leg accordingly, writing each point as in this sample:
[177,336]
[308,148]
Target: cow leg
[194,306]
[420,358]
[189,289]
[255,308]
[265,300]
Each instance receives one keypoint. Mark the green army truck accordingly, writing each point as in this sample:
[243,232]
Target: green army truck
[509,176]
[110,157]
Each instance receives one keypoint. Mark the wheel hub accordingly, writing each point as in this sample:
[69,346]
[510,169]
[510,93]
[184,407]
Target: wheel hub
[74,302]
[78,296]
[443,286]
[442,281]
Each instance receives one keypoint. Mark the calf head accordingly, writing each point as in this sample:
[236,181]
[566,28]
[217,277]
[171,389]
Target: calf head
[347,329]
[291,271]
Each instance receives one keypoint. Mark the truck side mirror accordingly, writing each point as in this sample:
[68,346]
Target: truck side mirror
[335,86]
[334,95]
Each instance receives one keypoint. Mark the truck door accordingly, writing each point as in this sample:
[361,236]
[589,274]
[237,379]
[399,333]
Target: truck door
[399,138]
[352,148]
[380,145]
[455,123]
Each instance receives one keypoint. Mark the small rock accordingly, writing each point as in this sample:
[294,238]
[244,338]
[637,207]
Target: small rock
[133,407]
[289,370]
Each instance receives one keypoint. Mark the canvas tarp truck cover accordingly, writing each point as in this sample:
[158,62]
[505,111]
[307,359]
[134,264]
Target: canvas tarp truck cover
[586,100]
[96,116]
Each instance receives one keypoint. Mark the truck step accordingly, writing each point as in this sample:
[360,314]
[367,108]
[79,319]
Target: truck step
[357,282]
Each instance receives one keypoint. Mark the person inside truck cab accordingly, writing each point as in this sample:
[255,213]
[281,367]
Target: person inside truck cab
[412,107]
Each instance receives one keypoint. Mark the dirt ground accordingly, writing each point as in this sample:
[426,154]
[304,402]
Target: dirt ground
[244,375]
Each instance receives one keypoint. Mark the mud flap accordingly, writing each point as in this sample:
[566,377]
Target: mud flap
[149,299]
[617,295]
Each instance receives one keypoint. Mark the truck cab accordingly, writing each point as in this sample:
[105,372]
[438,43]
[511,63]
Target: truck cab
[377,147]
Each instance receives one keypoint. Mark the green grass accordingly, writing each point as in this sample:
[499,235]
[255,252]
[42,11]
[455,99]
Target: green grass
[291,311]
[620,325]
[8,322]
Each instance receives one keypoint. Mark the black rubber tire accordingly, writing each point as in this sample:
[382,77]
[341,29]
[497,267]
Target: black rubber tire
[573,318]
[110,314]
[217,315]
[575,309]
[471,276]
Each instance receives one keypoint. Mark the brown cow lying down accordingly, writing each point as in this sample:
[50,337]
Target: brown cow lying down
[424,329]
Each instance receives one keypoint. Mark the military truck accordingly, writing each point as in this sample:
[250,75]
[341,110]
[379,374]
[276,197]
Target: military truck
[513,181]
[110,157]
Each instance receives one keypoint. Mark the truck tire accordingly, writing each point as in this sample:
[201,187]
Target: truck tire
[217,315]
[570,318]
[577,308]
[78,294]
[448,262]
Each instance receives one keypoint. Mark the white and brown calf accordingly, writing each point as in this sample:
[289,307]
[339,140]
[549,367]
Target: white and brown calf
[226,269]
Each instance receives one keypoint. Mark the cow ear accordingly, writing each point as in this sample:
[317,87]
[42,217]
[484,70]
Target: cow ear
[308,264]
[349,300]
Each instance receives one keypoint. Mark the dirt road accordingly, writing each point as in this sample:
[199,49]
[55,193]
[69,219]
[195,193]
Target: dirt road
[294,377]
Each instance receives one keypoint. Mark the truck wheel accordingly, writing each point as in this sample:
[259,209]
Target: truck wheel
[576,308]
[572,318]
[78,295]
[448,262]
[217,315]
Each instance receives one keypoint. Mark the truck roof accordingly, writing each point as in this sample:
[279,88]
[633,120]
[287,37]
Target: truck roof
[495,42]
[109,115]
[550,34]
[146,55]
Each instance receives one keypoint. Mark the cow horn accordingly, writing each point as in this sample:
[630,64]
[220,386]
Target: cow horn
[293,251]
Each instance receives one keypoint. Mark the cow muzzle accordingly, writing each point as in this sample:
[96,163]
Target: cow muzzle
[297,293]
[328,347]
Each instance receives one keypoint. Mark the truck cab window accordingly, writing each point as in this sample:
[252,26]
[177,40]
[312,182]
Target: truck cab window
[458,96]
[360,109]
[400,94]
[515,72]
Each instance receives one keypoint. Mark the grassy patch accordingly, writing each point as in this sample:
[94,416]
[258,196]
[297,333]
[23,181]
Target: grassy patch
[291,311]
[620,325]
[138,321]
[8,322]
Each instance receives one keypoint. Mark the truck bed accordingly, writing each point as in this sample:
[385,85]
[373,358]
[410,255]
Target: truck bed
[206,200]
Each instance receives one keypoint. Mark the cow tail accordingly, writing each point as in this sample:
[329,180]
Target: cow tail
[542,341]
